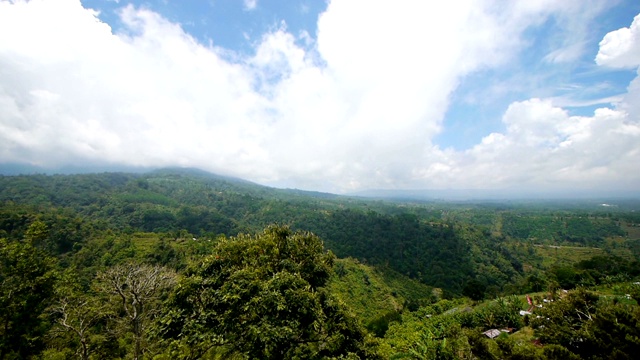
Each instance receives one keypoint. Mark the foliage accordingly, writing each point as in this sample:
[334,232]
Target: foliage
[415,240]
[589,326]
[434,254]
[501,313]
[77,318]
[262,296]
[274,294]
[368,294]
[137,290]
[573,228]
[26,286]
[441,341]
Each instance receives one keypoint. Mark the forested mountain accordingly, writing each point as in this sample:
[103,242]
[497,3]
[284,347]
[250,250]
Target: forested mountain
[364,269]
[178,202]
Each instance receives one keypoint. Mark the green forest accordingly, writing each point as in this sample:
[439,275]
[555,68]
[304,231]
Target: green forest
[184,264]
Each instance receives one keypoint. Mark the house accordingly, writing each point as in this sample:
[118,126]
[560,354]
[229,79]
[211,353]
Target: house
[492,333]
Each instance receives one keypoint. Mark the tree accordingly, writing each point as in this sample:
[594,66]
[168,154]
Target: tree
[535,282]
[442,340]
[558,352]
[500,313]
[80,321]
[37,233]
[590,327]
[77,316]
[136,288]
[26,285]
[474,289]
[262,297]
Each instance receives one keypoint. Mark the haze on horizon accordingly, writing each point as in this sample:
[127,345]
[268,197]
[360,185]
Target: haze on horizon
[533,96]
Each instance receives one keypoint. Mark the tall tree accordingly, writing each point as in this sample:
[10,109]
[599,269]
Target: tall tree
[77,315]
[136,288]
[26,285]
[263,297]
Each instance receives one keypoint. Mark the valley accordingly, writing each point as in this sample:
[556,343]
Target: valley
[410,278]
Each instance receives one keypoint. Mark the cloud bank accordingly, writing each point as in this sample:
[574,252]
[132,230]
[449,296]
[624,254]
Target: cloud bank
[354,107]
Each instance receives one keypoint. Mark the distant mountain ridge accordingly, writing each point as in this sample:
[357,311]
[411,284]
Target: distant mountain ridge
[490,194]
[12,169]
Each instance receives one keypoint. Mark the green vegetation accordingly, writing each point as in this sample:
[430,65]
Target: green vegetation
[374,298]
[263,297]
[27,282]
[184,264]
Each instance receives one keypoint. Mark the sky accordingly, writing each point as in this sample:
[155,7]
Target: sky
[338,96]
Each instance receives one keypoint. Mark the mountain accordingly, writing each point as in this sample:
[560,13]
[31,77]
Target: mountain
[401,271]
[441,244]
[500,195]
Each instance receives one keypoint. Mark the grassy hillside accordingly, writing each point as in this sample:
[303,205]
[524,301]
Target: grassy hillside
[565,255]
[376,296]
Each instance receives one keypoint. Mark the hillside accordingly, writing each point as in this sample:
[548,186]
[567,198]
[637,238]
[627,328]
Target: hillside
[179,202]
[440,244]
[408,274]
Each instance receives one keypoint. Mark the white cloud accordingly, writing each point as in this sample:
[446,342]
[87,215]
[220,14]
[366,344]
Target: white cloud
[621,48]
[250,4]
[544,147]
[574,29]
[154,97]
[566,54]
[356,109]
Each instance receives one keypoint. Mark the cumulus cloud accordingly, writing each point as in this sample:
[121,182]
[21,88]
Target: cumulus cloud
[621,48]
[355,108]
[544,147]
[151,96]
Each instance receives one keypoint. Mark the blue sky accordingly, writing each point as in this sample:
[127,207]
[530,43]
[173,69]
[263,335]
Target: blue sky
[580,80]
[238,25]
[329,95]
[231,24]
